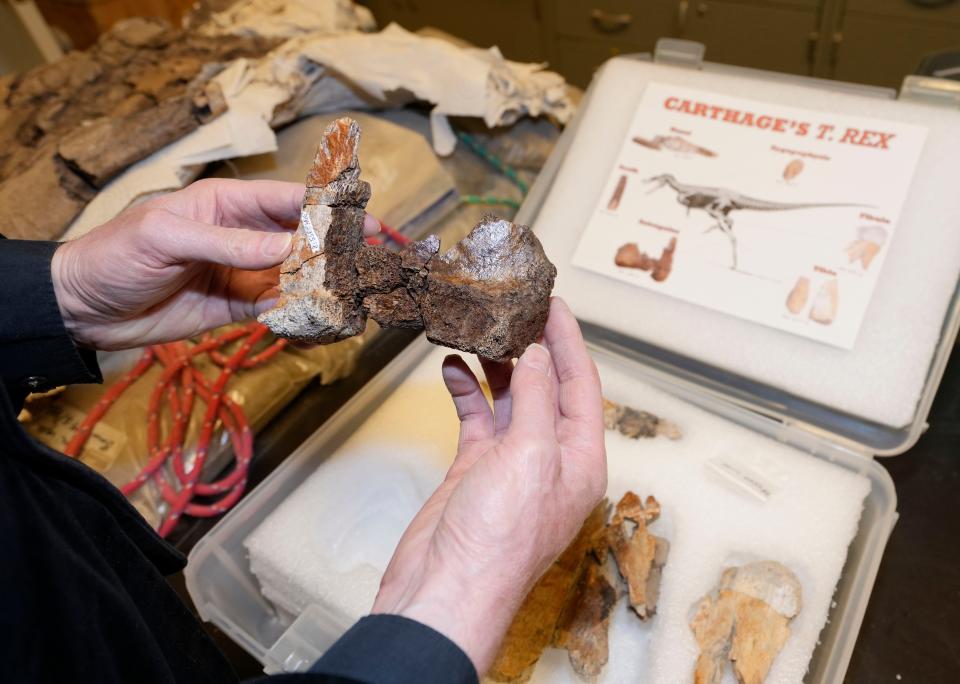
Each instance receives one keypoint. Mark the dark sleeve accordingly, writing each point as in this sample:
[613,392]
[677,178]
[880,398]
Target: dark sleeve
[389,649]
[36,352]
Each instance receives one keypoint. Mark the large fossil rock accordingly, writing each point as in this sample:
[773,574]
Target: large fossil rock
[745,621]
[489,294]
[68,127]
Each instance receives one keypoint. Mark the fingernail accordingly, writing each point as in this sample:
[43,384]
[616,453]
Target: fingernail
[537,357]
[277,246]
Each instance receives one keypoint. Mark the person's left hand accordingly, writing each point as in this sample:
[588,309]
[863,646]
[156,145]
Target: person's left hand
[180,264]
[528,471]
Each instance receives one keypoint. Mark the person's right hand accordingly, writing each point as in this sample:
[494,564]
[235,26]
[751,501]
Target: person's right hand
[526,475]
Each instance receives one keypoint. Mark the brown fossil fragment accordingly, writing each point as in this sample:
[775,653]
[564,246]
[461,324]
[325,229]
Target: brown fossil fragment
[745,620]
[636,424]
[319,280]
[640,555]
[100,151]
[70,125]
[489,294]
[585,622]
[533,626]
[570,607]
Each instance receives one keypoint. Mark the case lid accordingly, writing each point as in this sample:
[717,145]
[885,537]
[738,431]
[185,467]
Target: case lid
[797,411]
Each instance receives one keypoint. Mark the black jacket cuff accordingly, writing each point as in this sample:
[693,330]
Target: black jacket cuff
[36,352]
[390,649]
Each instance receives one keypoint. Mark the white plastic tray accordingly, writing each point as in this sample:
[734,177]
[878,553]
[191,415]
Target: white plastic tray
[226,593]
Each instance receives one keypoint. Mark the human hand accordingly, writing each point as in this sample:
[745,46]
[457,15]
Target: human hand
[526,475]
[179,264]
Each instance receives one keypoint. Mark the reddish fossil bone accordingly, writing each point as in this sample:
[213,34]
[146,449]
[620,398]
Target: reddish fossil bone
[489,294]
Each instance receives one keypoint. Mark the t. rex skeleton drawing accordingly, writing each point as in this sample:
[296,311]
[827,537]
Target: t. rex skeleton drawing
[719,202]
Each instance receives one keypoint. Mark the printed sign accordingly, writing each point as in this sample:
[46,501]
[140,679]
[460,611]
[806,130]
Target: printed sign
[778,215]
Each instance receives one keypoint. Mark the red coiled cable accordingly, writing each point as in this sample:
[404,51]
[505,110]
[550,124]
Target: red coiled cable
[178,388]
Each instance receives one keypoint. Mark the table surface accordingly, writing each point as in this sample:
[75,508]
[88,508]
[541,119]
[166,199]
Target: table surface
[911,631]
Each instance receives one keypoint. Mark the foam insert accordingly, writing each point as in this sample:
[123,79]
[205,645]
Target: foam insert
[330,541]
[882,378]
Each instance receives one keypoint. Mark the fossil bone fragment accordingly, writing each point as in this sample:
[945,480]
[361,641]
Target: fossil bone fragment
[585,622]
[533,626]
[797,299]
[636,424]
[571,605]
[746,621]
[824,309]
[640,555]
[489,294]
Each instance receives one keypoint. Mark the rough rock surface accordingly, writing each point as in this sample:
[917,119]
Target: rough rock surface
[489,294]
[533,626]
[636,424]
[571,605]
[745,620]
[585,623]
[67,127]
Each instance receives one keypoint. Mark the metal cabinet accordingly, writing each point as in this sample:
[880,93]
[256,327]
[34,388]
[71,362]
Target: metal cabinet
[864,41]
[772,35]
[880,41]
[515,26]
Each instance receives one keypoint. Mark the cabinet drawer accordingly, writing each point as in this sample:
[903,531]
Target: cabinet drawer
[881,51]
[624,20]
[576,60]
[773,37]
[906,9]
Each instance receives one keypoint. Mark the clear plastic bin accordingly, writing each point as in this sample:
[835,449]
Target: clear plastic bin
[227,594]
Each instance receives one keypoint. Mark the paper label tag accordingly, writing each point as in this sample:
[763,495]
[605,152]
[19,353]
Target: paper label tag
[309,231]
[775,214]
[56,425]
[742,477]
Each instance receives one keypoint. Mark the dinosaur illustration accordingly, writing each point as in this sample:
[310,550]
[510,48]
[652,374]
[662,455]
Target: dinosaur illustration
[719,202]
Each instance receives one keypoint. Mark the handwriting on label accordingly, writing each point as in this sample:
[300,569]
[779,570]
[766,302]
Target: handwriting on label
[309,231]
[56,425]
[742,477]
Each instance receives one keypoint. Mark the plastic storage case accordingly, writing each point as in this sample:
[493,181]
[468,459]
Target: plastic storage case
[225,592]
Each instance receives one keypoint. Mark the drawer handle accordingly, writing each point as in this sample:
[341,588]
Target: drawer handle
[609,22]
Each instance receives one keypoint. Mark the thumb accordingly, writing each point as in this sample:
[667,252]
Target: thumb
[182,239]
[533,387]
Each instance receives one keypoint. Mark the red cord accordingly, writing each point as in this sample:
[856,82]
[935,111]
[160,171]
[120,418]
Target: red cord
[178,387]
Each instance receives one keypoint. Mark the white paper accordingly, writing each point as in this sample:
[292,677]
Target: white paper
[774,209]
[320,72]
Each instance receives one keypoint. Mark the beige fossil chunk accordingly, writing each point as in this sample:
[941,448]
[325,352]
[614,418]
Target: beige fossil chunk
[635,424]
[745,621]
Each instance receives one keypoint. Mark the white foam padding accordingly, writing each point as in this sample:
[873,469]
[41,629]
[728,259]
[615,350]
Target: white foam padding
[330,541]
[882,378]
